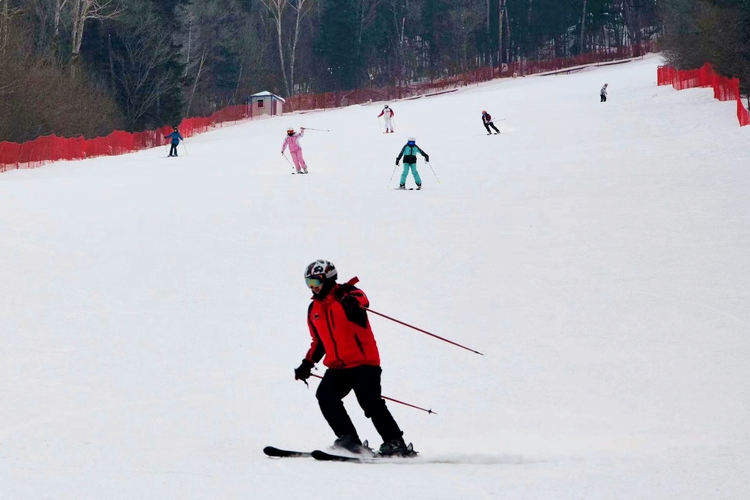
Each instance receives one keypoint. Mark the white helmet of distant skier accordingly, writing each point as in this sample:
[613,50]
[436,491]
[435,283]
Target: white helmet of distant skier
[322,269]
[411,139]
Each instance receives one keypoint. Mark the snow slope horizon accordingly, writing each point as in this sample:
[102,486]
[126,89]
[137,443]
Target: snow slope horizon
[595,253]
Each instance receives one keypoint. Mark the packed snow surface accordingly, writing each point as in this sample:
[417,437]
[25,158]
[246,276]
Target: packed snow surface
[597,254]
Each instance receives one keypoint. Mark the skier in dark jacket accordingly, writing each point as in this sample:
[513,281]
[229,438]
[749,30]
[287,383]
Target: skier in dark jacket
[340,331]
[487,122]
[409,152]
[176,138]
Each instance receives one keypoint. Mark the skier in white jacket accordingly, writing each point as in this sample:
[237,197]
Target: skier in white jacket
[387,115]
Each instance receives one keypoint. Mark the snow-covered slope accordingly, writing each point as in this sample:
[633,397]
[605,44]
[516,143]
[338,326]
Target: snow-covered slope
[153,309]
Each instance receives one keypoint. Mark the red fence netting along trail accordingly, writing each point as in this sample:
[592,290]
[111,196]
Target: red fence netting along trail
[725,89]
[303,102]
[50,148]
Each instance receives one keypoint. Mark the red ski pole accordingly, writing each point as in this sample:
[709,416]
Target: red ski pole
[355,280]
[423,331]
[394,400]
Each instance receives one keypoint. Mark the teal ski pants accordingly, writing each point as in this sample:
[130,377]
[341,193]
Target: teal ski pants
[405,173]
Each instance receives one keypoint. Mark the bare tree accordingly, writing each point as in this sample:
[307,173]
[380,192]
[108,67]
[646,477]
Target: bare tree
[57,15]
[139,66]
[301,9]
[583,28]
[501,15]
[6,14]
[197,41]
[49,15]
[276,10]
[82,11]
[465,17]
[367,10]
[399,23]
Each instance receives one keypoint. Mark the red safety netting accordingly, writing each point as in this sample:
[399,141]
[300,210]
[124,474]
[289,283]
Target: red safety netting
[725,89]
[50,148]
[306,102]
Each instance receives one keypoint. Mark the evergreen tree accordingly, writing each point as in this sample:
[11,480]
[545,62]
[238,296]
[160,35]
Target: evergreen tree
[337,47]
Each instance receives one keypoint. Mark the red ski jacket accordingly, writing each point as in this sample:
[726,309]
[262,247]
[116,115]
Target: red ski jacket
[346,341]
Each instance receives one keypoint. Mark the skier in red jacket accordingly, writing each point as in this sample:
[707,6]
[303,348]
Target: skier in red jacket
[340,331]
[487,122]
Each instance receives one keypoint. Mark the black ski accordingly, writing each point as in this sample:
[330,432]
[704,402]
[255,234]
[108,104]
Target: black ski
[331,457]
[365,458]
[272,451]
[324,456]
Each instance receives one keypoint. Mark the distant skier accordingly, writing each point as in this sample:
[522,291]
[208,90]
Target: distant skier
[603,93]
[176,138]
[387,115]
[295,149]
[340,331]
[409,152]
[487,121]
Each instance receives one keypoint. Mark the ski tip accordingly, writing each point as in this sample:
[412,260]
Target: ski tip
[272,451]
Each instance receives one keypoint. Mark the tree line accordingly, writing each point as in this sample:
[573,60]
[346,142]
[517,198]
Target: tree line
[87,67]
[715,31]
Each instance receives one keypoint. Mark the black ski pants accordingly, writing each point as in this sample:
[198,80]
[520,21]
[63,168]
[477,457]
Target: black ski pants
[365,382]
[490,124]
[173,150]
[603,98]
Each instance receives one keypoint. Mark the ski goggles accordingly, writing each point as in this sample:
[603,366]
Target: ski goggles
[314,281]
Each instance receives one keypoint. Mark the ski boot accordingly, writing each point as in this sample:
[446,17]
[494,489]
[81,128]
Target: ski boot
[419,186]
[402,186]
[396,448]
[352,444]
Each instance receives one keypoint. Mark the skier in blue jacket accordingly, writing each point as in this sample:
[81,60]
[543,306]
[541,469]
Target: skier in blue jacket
[176,138]
[409,152]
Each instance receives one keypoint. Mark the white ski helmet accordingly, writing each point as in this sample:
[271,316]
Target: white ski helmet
[411,139]
[321,268]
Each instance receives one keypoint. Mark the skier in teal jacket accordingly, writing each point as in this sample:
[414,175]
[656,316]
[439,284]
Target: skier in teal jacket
[409,152]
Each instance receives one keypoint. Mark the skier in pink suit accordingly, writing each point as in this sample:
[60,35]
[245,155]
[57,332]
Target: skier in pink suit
[295,149]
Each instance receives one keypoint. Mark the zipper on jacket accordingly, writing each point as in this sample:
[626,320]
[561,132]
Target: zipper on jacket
[359,344]
[329,318]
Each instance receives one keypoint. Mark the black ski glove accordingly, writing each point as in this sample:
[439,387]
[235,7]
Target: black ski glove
[350,304]
[353,310]
[427,158]
[302,372]
[396,161]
